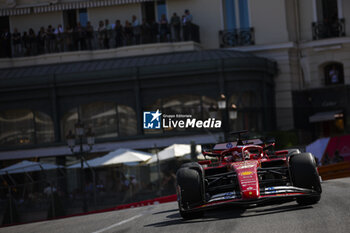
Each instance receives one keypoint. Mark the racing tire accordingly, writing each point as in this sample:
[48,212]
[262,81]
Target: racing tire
[189,191]
[304,175]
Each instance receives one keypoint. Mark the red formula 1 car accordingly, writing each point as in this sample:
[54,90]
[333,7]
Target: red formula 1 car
[247,172]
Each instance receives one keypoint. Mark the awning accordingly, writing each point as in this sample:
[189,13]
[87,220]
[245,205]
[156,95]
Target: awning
[28,166]
[120,156]
[174,151]
[326,116]
[21,10]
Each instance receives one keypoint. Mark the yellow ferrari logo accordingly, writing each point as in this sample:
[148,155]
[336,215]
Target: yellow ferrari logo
[246,173]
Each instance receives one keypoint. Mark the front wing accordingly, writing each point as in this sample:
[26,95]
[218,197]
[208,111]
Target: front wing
[277,193]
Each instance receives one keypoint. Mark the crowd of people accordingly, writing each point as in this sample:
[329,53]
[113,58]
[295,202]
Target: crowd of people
[107,35]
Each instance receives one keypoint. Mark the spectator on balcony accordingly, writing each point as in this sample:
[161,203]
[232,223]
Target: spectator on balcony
[163,32]
[26,44]
[50,46]
[175,23]
[118,34]
[41,40]
[136,30]
[6,42]
[59,38]
[154,31]
[187,25]
[68,38]
[128,33]
[146,32]
[108,33]
[81,35]
[32,42]
[89,35]
[101,34]
[16,41]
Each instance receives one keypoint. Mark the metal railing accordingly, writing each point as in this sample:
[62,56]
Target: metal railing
[236,37]
[75,41]
[328,29]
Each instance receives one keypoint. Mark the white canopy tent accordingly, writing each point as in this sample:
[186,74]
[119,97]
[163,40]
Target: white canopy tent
[28,166]
[119,156]
[174,151]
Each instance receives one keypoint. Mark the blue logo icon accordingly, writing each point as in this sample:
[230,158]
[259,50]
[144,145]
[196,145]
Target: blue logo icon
[229,145]
[151,120]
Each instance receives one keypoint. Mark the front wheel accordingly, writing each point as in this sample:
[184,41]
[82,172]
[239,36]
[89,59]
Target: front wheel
[304,175]
[189,192]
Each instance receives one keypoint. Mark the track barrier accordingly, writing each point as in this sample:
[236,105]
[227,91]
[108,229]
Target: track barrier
[334,171]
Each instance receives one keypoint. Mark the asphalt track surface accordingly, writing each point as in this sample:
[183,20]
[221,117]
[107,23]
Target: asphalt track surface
[331,214]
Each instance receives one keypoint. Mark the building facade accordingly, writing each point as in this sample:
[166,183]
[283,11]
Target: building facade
[235,52]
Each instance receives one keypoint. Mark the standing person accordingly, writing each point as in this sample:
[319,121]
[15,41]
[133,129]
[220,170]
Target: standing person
[101,34]
[187,25]
[41,40]
[175,23]
[128,33]
[26,44]
[146,32]
[154,31]
[32,42]
[16,41]
[89,35]
[136,30]
[80,30]
[163,28]
[59,38]
[50,46]
[108,32]
[118,34]
[68,38]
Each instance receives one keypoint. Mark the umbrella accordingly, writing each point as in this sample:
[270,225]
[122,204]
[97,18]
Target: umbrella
[120,156]
[28,166]
[174,151]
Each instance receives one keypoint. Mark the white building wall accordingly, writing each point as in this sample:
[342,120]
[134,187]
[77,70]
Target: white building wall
[25,22]
[268,18]
[206,13]
[112,13]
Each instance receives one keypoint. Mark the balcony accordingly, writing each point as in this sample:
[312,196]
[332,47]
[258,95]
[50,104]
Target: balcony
[236,37]
[78,42]
[328,29]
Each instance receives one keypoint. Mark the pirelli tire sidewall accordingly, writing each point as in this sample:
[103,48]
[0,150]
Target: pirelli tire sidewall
[304,174]
[189,179]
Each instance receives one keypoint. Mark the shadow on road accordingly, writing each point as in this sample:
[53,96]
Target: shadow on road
[166,211]
[227,212]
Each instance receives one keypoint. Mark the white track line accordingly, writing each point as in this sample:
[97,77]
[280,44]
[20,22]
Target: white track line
[118,224]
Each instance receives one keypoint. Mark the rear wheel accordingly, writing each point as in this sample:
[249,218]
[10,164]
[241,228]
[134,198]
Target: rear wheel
[189,192]
[305,175]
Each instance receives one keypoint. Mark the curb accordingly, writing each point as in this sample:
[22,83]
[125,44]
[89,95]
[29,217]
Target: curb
[155,201]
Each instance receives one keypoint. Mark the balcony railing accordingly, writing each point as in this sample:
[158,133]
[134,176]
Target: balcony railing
[328,29]
[80,41]
[236,37]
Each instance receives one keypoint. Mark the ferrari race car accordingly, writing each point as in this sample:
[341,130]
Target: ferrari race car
[247,172]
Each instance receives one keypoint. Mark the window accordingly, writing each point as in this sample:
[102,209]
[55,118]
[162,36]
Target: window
[22,126]
[248,111]
[200,107]
[237,14]
[334,73]
[83,17]
[161,9]
[106,120]
[328,19]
